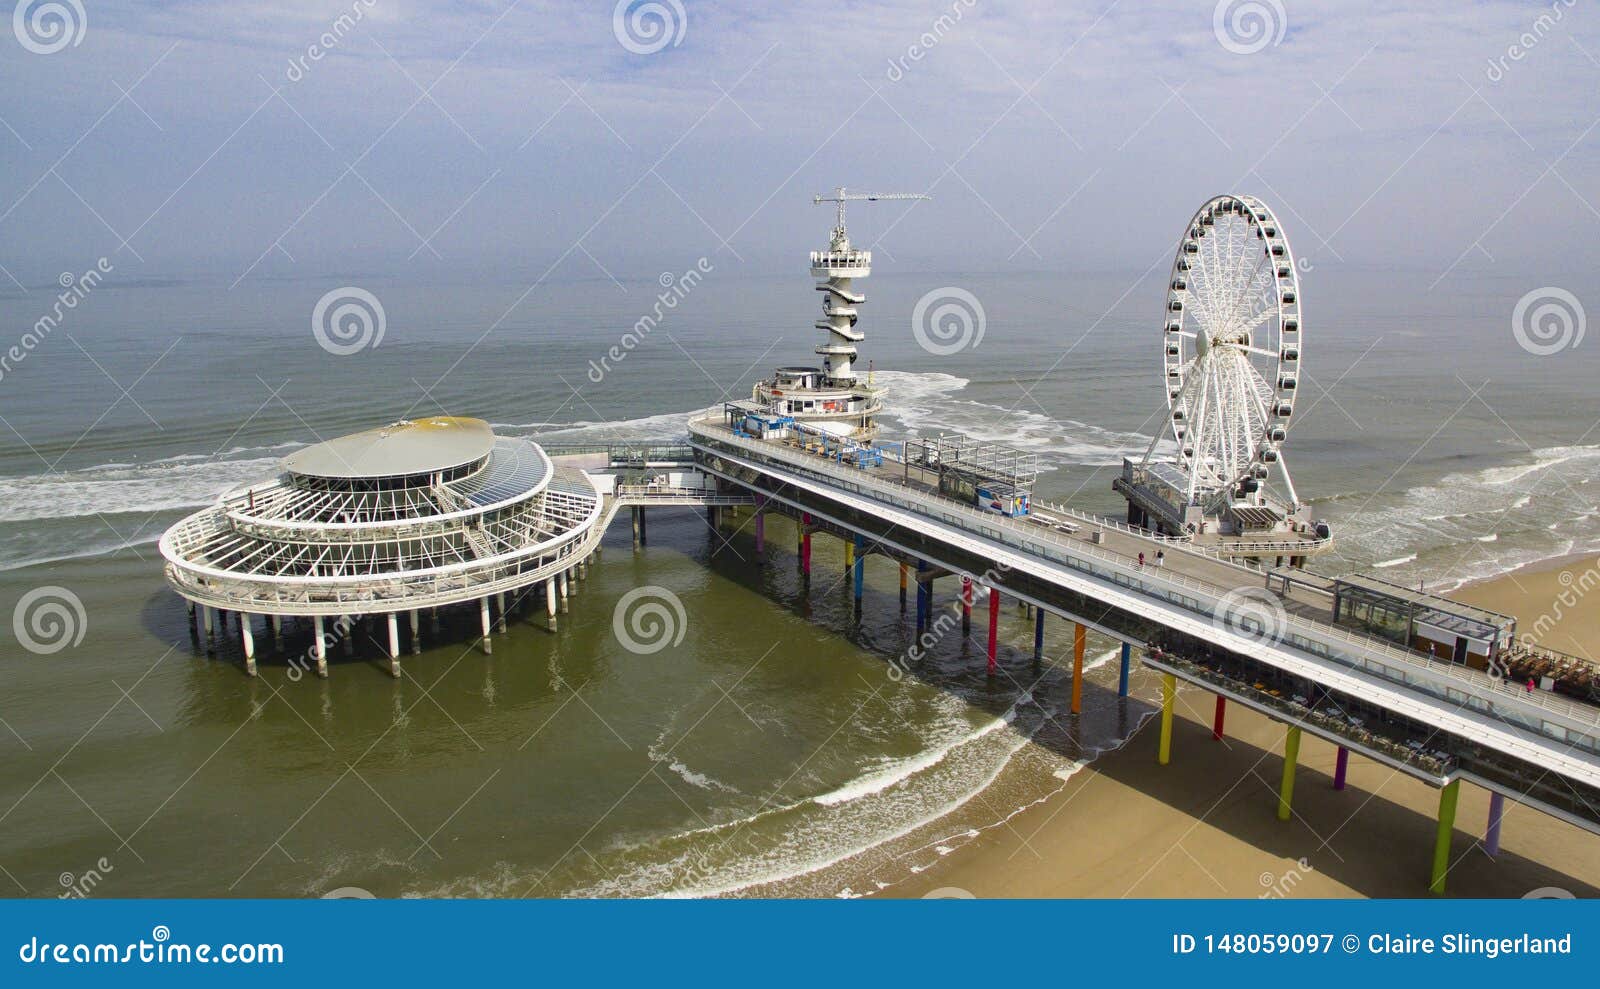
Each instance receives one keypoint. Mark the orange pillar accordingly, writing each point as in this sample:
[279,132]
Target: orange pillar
[1080,638]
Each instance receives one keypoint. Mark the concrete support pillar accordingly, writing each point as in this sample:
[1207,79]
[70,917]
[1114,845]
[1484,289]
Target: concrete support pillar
[348,623]
[319,646]
[1122,677]
[1038,636]
[561,588]
[209,617]
[638,527]
[393,621]
[416,631]
[483,621]
[1291,756]
[1448,796]
[550,600]
[1217,718]
[1341,764]
[1491,834]
[761,525]
[249,644]
[500,606]
[275,626]
[860,563]
[966,606]
[1169,693]
[1080,641]
[994,630]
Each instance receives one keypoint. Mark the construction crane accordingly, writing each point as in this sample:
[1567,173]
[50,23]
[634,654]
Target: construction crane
[841,197]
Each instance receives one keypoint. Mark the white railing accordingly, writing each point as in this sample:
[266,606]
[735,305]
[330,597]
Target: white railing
[1378,656]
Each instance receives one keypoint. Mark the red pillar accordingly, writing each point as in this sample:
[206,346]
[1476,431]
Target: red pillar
[805,544]
[1216,720]
[966,605]
[994,629]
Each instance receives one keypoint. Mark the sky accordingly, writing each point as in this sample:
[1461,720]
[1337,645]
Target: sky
[450,140]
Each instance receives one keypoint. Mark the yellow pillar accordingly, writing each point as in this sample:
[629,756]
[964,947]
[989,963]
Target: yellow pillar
[1169,692]
[1291,755]
[1441,842]
[849,553]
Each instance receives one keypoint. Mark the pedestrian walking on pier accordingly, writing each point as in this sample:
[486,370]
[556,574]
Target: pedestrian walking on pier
[1141,561]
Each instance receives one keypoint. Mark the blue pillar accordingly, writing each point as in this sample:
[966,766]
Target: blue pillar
[1038,635]
[1122,678]
[861,566]
[922,597]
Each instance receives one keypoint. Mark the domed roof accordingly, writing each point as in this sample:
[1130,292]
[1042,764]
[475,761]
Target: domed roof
[407,447]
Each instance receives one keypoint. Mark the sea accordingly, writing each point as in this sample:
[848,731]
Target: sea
[772,748]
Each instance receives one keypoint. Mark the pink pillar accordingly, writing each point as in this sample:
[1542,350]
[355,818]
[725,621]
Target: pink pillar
[805,544]
[994,629]
[1341,763]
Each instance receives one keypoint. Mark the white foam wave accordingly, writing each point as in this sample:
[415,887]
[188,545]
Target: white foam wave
[159,486]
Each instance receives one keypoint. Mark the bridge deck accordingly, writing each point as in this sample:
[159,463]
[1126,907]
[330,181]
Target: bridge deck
[1186,595]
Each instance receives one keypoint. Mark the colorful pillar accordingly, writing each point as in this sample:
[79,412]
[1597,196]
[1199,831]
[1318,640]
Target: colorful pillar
[1216,719]
[1291,756]
[805,544]
[761,524]
[1038,636]
[1080,640]
[1122,677]
[924,595]
[966,606]
[1491,835]
[1341,764]
[1169,692]
[1448,797]
[860,562]
[994,629]
[902,588]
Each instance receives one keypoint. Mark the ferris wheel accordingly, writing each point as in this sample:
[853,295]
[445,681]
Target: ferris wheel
[1232,351]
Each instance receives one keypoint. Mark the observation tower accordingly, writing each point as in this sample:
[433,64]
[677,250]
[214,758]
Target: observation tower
[831,398]
[416,514]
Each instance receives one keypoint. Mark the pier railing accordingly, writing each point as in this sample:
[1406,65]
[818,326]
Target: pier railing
[1373,655]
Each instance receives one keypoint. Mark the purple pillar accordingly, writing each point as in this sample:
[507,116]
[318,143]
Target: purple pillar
[1491,837]
[1340,763]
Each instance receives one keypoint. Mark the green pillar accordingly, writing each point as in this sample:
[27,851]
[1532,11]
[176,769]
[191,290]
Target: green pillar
[1441,842]
[1291,755]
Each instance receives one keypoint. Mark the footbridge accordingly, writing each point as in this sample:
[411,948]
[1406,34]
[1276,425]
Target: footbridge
[1264,640]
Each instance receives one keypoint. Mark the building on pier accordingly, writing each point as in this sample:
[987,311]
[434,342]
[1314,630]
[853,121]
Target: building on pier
[416,514]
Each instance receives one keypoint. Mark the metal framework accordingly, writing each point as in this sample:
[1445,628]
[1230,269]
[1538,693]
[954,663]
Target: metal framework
[302,545]
[1232,353]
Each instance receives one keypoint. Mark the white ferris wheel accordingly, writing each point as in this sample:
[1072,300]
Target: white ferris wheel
[1232,353]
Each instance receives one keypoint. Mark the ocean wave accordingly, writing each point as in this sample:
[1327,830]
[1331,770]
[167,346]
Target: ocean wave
[115,489]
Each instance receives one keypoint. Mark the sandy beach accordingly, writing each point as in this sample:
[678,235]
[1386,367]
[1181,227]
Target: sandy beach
[1205,825]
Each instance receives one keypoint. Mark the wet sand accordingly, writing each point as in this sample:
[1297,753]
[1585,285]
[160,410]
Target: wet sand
[1206,824]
